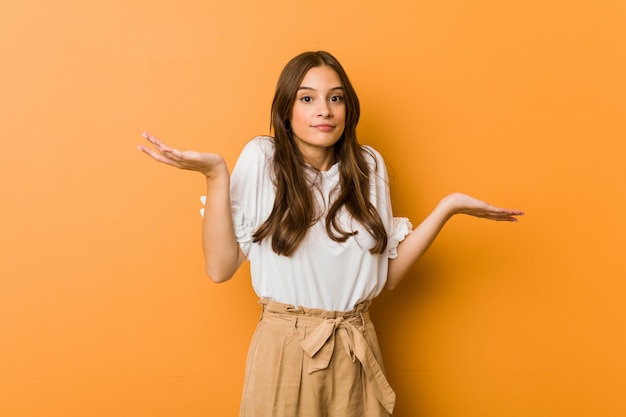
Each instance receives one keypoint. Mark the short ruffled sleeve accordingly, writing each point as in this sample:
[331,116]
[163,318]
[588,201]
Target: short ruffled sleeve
[398,228]
[251,190]
[401,228]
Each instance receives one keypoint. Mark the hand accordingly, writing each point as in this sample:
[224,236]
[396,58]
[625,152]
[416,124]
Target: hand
[209,164]
[464,204]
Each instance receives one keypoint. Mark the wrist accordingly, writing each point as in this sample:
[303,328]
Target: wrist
[216,171]
[450,205]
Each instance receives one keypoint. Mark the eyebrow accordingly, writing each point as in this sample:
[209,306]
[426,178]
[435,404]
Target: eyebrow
[303,87]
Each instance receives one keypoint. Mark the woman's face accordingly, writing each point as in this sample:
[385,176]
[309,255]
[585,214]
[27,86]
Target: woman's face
[319,116]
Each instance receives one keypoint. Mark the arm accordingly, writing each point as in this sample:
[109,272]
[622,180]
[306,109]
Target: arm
[221,251]
[419,240]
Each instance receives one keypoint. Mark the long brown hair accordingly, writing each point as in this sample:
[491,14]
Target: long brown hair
[294,210]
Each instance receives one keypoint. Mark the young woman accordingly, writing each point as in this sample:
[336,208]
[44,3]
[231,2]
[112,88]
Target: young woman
[309,208]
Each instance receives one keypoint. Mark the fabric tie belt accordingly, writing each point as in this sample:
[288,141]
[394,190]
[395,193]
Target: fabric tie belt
[320,344]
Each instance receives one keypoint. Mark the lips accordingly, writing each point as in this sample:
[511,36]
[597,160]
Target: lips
[324,127]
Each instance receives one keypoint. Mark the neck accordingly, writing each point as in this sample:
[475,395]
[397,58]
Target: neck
[323,161]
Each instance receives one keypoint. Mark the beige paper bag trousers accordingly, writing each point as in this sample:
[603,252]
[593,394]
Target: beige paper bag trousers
[315,363]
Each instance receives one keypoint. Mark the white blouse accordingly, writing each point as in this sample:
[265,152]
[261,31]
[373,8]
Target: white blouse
[321,273]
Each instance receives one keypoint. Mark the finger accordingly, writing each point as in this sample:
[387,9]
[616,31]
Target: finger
[149,137]
[500,210]
[150,152]
[157,156]
[511,212]
[498,214]
[168,151]
[175,153]
[509,217]
[155,141]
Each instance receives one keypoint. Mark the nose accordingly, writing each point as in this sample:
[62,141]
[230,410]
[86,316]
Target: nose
[325,110]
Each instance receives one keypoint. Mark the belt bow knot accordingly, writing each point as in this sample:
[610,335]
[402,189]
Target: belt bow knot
[320,345]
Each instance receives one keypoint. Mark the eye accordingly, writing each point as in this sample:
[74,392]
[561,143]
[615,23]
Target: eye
[306,99]
[336,99]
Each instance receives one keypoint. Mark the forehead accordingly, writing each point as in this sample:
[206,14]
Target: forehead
[321,77]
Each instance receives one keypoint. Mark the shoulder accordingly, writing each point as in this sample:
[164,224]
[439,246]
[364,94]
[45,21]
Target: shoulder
[259,148]
[260,144]
[373,158]
[256,156]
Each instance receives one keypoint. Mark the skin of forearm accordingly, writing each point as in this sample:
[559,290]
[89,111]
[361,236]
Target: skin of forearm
[221,251]
[411,249]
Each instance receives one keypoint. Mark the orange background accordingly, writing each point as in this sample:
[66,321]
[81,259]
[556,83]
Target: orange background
[104,306]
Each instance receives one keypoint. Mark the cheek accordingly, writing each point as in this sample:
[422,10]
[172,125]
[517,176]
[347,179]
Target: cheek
[298,118]
[340,116]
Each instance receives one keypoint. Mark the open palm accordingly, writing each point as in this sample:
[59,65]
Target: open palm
[206,163]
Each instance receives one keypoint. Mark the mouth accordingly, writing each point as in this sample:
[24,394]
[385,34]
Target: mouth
[324,127]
